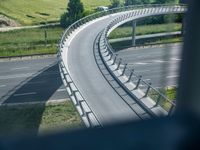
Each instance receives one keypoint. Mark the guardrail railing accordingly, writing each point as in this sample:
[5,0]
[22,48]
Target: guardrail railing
[78,100]
[86,113]
[149,90]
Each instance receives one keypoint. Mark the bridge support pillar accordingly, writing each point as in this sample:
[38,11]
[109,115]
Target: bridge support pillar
[133,32]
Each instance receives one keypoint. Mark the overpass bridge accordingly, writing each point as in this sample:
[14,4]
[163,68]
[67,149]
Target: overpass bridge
[102,91]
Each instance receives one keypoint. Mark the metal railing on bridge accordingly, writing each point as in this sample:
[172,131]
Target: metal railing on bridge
[67,79]
[149,90]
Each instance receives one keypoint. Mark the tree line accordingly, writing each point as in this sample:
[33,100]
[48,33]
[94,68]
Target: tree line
[118,3]
[75,10]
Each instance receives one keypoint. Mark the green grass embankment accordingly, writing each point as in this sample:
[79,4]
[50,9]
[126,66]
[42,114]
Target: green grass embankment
[38,119]
[29,41]
[121,32]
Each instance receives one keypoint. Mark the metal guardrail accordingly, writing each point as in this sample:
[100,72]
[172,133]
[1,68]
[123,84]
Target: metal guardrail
[160,99]
[86,113]
[82,107]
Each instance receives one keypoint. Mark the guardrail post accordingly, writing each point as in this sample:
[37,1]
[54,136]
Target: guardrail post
[123,72]
[133,32]
[82,109]
[171,110]
[75,96]
[138,83]
[70,88]
[108,52]
[120,61]
[147,92]
[130,76]
[88,118]
[111,55]
[158,100]
[114,59]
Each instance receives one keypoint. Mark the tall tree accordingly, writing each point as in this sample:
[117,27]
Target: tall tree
[74,12]
[132,2]
[146,1]
[115,3]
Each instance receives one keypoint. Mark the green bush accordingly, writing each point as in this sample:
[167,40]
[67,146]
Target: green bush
[75,11]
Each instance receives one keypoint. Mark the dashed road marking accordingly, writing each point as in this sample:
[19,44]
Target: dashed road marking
[176,59]
[16,76]
[141,71]
[20,68]
[173,76]
[25,75]
[140,63]
[36,82]
[160,61]
[61,90]
[147,79]
[2,86]
[24,94]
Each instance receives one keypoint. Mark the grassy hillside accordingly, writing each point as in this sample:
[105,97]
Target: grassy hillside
[92,4]
[29,12]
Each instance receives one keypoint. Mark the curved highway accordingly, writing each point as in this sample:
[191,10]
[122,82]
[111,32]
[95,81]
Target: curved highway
[109,103]
[105,102]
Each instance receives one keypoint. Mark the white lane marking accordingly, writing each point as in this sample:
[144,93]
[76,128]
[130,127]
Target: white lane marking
[143,71]
[37,82]
[160,61]
[61,90]
[16,76]
[140,63]
[147,79]
[2,86]
[25,75]
[176,59]
[19,68]
[23,94]
[173,76]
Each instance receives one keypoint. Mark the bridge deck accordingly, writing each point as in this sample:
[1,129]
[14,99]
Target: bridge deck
[107,105]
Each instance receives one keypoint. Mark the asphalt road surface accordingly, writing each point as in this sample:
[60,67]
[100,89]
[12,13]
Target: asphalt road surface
[105,102]
[157,65]
[31,81]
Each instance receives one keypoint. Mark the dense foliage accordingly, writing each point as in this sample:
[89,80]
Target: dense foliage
[75,11]
[115,3]
[136,2]
[139,2]
[157,19]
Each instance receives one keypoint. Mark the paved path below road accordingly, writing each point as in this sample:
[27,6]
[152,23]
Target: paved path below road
[139,37]
[5,29]
[31,81]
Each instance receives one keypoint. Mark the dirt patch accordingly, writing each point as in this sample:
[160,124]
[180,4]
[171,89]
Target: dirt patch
[7,22]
